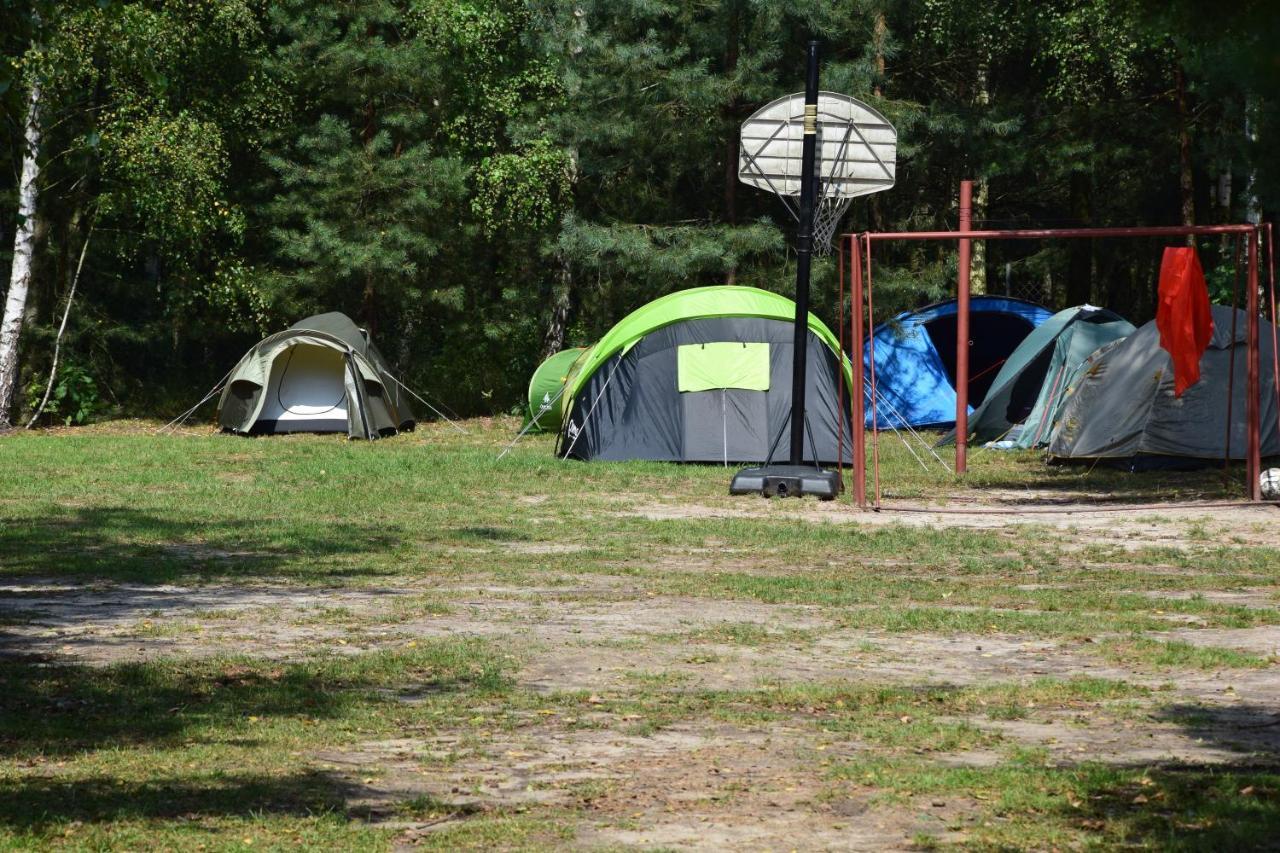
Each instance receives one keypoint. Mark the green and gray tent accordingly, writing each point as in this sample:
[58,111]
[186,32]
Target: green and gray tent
[704,375]
[1027,395]
[546,400]
[321,374]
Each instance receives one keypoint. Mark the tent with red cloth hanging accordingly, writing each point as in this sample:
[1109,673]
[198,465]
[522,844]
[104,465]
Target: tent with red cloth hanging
[1125,405]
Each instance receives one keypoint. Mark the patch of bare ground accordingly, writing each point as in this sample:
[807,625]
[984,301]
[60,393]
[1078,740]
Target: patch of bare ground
[1224,735]
[1082,521]
[1259,598]
[591,637]
[695,783]
[544,547]
[106,623]
[1263,641]
[691,785]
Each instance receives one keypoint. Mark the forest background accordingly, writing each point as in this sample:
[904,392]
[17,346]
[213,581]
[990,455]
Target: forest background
[483,182]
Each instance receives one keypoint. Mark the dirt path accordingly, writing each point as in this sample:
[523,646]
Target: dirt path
[702,783]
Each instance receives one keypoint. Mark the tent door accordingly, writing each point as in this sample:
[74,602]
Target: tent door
[725,425]
[305,392]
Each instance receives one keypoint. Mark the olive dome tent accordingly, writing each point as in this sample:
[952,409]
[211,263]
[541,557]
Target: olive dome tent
[321,374]
[703,375]
[915,356]
[1025,399]
[1123,407]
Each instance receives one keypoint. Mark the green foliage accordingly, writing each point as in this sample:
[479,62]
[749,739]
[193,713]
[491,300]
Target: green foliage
[529,188]
[72,400]
[170,173]
[458,174]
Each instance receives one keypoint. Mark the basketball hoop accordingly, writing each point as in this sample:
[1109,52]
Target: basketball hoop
[857,155]
[817,151]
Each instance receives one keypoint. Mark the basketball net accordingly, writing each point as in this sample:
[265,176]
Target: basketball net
[827,213]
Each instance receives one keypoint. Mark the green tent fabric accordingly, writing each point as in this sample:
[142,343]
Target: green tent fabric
[722,364]
[1030,390]
[544,390]
[322,374]
[715,301]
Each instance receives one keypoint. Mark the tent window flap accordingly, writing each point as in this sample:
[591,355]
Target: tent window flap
[722,364]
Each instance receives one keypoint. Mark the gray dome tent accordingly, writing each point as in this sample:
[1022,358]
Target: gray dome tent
[1123,405]
[322,374]
[1028,393]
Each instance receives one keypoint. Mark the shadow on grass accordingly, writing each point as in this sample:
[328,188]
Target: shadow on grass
[1076,483]
[119,543]
[1251,730]
[65,710]
[1195,806]
[36,803]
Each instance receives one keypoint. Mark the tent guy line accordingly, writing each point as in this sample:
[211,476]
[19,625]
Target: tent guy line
[419,398]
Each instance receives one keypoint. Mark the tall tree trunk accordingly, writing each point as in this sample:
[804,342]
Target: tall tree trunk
[15,304]
[731,144]
[1252,205]
[1186,178]
[369,305]
[368,298]
[879,33]
[557,324]
[978,269]
[562,292]
[1080,257]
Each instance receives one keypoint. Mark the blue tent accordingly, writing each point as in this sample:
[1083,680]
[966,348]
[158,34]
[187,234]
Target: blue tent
[916,353]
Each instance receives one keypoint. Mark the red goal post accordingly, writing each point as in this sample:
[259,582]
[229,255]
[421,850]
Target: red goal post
[857,248]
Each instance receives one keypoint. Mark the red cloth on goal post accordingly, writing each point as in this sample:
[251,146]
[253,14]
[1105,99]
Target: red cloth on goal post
[1183,316]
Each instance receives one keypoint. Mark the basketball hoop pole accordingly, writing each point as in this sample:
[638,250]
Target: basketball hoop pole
[804,253]
[797,479]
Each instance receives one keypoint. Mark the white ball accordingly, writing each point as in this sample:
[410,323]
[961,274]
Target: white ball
[1270,480]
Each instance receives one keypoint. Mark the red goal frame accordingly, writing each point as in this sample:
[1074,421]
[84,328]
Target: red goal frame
[858,248]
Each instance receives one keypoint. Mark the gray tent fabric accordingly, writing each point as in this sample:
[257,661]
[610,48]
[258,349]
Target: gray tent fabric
[632,408]
[322,374]
[1031,387]
[1123,404]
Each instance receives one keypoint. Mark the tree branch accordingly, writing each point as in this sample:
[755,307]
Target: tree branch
[57,341]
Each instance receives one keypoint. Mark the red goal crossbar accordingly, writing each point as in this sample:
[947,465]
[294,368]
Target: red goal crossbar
[858,248]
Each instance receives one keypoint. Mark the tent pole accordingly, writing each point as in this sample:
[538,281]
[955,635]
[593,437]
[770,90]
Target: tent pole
[858,420]
[1254,466]
[962,331]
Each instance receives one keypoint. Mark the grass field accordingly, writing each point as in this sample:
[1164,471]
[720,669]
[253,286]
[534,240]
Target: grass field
[210,643]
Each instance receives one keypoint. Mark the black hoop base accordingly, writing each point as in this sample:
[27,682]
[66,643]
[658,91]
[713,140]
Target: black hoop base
[786,481]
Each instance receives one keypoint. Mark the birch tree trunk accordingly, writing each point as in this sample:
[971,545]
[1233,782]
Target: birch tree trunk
[15,304]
